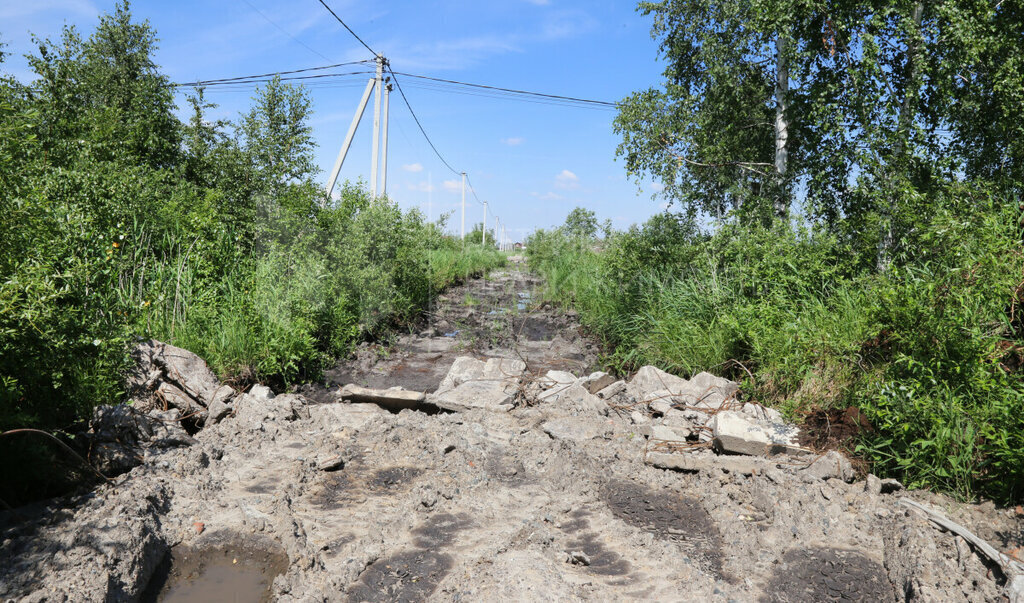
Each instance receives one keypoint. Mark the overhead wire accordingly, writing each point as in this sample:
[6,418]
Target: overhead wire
[245,78]
[343,24]
[285,32]
[405,99]
[512,90]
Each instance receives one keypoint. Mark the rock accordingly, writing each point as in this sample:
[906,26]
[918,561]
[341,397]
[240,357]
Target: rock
[166,430]
[486,395]
[639,418]
[575,428]
[762,413]
[261,392]
[891,485]
[509,369]
[831,465]
[157,362]
[613,390]
[695,461]
[220,405]
[738,434]
[169,396]
[718,385]
[668,434]
[391,399]
[574,397]
[873,485]
[556,380]
[595,382]
[661,406]
[330,463]
[462,370]
[651,379]
[704,390]
[578,558]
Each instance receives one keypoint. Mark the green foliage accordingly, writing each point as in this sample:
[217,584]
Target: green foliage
[581,223]
[930,350]
[120,222]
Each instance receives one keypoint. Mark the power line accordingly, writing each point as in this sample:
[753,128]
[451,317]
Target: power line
[356,36]
[271,21]
[513,90]
[225,80]
[257,79]
[417,120]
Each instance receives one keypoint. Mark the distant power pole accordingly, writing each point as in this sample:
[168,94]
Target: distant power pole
[496,221]
[483,238]
[378,80]
[384,145]
[463,209]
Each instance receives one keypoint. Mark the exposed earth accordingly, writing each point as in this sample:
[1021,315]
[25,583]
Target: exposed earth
[520,475]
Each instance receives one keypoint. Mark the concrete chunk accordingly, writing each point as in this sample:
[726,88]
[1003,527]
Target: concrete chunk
[595,382]
[615,389]
[668,434]
[738,434]
[486,395]
[831,465]
[462,370]
[575,428]
[503,368]
[574,397]
[391,399]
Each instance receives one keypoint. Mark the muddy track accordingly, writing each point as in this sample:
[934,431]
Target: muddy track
[300,497]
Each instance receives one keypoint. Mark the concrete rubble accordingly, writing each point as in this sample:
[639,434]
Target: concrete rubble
[505,482]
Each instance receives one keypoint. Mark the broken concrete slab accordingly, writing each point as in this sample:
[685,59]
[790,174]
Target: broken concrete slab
[503,369]
[220,404]
[556,380]
[485,395]
[613,390]
[390,399]
[169,396]
[706,462]
[595,382]
[463,369]
[762,413]
[831,465]
[703,391]
[661,406]
[665,433]
[737,433]
[157,362]
[575,428]
[574,397]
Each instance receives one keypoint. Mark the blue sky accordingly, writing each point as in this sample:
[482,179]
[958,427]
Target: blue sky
[532,162]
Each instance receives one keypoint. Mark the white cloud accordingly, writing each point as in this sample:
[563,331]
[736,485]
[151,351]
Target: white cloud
[453,186]
[513,141]
[413,167]
[657,187]
[548,196]
[567,180]
[423,187]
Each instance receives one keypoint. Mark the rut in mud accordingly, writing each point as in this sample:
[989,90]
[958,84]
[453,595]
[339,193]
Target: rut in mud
[305,497]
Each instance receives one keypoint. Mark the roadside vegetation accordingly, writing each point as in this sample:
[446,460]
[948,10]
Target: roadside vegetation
[121,221]
[847,235]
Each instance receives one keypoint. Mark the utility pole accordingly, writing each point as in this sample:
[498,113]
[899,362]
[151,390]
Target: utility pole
[483,237]
[463,210]
[496,221]
[348,137]
[376,126]
[384,144]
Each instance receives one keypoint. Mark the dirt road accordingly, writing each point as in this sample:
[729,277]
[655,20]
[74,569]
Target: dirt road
[305,497]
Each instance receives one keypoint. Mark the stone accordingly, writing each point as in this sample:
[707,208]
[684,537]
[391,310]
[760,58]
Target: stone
[166,430]
[156,361]
[578,558]
[169,396]
[719,385]
[762,413]
[463,369]
[595,382]
[668,434]
[737,433]
[704,390]
[873,485]
[486,395]
[509,369]
[831,465]
[575,428]
[390,399]
[638,418]
[650,379]
[261,391]
[220,405]
[694,461]
[574,397]
[613,390]
[330,463]
[890,485]
[660,406]
[557,380]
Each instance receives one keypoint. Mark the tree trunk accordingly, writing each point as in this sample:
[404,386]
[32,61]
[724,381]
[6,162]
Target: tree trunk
[886,241]
[781,125]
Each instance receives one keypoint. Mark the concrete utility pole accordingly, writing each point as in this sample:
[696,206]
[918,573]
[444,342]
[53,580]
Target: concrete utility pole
[463,209]
[496,221]
[483,237]
[378,80]
[384,144]
[348,137]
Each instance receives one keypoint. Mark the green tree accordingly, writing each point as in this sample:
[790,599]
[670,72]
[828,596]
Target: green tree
[581,224]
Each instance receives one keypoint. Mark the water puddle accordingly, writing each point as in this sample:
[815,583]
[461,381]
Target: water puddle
[223,573]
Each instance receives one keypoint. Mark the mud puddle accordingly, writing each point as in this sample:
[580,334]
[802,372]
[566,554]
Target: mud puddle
[224,573]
